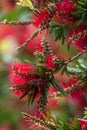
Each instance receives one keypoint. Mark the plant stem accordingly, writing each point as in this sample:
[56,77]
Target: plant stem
[35,34]
[39,122]
[5,22]
[73,58]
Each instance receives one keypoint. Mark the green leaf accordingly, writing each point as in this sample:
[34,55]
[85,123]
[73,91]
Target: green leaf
[64,125]
[35,91]
[24,95]
[74,70]
[76,124]
[63,70]
[31,96]
[82,64]
[58,31]
[29,99]
[66,71]
[58,88]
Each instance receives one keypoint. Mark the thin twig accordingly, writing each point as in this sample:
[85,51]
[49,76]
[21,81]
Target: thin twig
[45,124]
[73,58]
[5,22]
[69,91]
[35,34]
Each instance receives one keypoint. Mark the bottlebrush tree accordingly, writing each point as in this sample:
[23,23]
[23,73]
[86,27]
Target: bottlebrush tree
[64,20]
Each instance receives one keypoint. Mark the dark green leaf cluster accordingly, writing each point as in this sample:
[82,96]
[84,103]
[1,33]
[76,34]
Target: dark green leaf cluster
[64,125]
[79,69]
[82,12]
[58,31]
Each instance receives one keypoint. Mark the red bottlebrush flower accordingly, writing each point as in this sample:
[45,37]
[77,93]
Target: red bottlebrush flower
[66,6]
[65,11]
[83,123]
[52,62]
[41,18]
[44,17]
[79,38]
[73,88]
[73,82]
[23,69]
[25,82]
[16,80]
[22,78]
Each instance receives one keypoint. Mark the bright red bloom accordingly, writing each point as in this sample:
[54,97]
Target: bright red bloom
[73,88]
[83,123]
[65,11]
[22,78]
[73,82]
[66,7]
[41,18]
[25,81]
[23,69]
[16,80]
[51,62]
[79,37]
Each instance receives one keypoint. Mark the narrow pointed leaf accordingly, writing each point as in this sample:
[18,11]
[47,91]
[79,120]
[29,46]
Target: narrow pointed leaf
[29,97]
[58,88]
[24,95]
